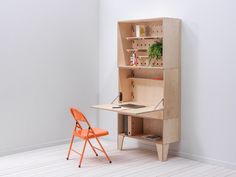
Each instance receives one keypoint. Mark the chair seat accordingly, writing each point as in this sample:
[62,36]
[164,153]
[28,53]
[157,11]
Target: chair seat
[83,133]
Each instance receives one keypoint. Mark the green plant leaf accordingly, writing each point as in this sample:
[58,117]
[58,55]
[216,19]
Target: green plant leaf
[155,51]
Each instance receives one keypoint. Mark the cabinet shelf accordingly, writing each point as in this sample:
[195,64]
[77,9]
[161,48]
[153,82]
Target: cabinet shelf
[145,79]
[144,37]
[140,137]
[140,67]
[143,56]
[136,50]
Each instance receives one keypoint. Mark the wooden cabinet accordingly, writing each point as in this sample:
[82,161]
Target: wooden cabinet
[153,84]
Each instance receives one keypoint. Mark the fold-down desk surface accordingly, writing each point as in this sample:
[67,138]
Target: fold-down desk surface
[127,110]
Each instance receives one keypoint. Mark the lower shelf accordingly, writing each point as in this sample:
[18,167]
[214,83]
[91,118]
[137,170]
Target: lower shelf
[140,137]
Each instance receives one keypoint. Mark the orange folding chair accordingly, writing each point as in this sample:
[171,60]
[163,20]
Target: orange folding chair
[86,135]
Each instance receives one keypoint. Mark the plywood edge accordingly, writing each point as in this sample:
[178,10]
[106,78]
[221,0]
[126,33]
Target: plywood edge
[147,20]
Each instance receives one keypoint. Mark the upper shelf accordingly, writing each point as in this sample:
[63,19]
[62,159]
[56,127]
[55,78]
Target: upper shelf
[143,38]
[140,67]
[136,50]
[146,79]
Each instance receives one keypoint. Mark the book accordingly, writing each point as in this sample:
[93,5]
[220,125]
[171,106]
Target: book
[152,137]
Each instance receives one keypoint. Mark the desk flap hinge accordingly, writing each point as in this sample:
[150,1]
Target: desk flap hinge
[157,105]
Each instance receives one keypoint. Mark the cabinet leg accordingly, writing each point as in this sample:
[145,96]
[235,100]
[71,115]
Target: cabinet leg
[120,141]
[162,150]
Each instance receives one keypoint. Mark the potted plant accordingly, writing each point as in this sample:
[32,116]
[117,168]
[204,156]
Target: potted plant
[155,52]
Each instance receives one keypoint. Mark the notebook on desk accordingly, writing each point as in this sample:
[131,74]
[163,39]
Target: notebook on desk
[132,106]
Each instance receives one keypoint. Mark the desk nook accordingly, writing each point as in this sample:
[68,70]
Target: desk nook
[149,104]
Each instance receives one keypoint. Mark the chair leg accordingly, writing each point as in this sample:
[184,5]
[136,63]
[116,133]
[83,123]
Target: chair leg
[81,158]
[92,148]
[103,150]
[71,142]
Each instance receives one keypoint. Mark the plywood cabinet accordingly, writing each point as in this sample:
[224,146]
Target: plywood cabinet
[152,84]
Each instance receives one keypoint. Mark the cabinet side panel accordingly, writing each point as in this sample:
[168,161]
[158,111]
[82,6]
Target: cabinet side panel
[171,43]
[124,30]
[171,131]
[171,94]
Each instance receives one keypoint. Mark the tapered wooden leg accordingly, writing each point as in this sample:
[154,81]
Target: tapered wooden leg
[162,150]
[120,141]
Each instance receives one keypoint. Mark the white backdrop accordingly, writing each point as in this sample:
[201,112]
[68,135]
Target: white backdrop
[48,63]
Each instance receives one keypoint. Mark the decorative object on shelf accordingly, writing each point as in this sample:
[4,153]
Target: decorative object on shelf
[157,78]
[155,52]
[140,30]
[134,59]
[152,137]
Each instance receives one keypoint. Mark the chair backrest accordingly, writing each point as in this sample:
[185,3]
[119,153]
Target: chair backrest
[79,116]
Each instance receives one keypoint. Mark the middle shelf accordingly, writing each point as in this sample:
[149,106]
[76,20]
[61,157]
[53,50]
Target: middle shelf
[160,80]
[141,137]
[140,67]
[143,38]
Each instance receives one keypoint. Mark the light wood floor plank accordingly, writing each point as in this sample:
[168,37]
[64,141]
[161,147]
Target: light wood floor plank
[51,162]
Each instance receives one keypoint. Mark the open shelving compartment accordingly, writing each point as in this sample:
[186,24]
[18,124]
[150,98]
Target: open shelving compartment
[139,128]
[130,43]
[150,89]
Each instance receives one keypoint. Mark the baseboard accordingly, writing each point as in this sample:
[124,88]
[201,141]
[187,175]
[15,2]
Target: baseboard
[152,147]
[33,147]
[203,159]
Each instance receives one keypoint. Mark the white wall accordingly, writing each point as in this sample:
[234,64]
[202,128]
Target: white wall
[208,71]
[48,63]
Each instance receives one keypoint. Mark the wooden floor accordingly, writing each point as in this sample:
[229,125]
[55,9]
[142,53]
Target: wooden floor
[50,162]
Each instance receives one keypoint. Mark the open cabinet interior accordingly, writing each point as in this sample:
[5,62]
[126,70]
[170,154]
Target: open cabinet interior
[144,86]
[130,42]
[146,129]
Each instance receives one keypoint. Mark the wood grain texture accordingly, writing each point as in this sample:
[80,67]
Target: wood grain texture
[171,130]
[171,42]
[162,150]
[135,126]
[120,141]
[171,94]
